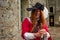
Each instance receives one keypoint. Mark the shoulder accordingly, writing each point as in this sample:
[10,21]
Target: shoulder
[27,19]
[45,23]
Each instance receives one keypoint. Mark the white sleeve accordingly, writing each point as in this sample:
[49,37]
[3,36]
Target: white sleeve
[47,36]
[29,36]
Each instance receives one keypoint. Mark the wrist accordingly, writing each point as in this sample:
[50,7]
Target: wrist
[36,34]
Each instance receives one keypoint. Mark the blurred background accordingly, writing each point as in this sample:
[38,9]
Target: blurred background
[13,12]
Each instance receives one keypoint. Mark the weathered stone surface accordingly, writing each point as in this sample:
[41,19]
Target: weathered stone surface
[55,33]
[9,19]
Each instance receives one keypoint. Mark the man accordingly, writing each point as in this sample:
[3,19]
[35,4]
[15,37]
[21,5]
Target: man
[35,27]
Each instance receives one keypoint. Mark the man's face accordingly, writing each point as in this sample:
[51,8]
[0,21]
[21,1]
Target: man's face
[38,13]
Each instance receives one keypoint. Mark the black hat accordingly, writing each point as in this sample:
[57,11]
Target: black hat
[36,6]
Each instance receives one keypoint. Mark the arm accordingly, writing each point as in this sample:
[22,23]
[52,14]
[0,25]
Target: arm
[25,27]
[48,36]
[25,30]
[29,35]
[47,32]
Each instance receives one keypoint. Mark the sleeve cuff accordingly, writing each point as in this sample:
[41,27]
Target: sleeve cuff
[29,35]
[48,35]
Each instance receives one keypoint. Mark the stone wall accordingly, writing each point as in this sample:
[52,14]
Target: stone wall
[9,19]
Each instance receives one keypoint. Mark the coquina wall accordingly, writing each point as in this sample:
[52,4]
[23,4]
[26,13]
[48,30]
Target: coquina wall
[10,19]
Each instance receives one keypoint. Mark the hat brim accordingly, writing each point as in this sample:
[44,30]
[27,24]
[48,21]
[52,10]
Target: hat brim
[30,9]
[34,8]
[45,11]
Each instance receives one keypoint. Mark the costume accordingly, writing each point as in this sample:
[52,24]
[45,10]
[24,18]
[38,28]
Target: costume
[27,24]
[26,28]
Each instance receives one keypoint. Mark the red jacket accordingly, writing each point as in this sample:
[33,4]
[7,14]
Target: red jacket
[27,26]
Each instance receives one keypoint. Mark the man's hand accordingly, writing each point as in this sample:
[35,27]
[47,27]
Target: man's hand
[43,31]
[40,33]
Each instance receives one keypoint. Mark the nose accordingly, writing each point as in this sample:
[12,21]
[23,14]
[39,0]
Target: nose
[38,14]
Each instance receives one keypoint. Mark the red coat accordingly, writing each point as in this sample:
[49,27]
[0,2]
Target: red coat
[27,26]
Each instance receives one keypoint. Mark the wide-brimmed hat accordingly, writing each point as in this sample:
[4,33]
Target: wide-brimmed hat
[36,6]
[41,7]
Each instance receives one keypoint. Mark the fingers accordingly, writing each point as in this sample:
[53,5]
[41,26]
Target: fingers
[42,31]
[37,34]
